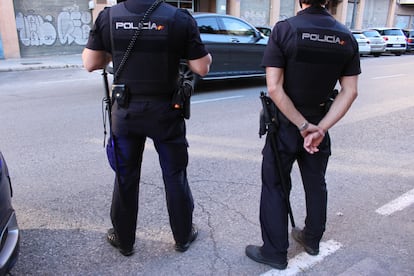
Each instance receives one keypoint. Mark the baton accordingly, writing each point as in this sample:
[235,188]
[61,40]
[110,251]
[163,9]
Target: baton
[271,127]
[108,105]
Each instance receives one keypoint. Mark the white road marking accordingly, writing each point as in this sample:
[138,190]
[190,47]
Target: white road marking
[216,99]
[63,81]
[305,261]
[389,76]
[397,204]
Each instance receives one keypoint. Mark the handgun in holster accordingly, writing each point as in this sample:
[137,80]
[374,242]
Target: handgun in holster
[268,115]
[181,97]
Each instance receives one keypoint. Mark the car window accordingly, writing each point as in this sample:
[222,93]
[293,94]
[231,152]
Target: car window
[360,36]
[371,34]
[408,33]
[393,32]
[265,30]
[208,25]
[237,27]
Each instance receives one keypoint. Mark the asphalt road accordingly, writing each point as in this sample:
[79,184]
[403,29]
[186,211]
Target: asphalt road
[51,134]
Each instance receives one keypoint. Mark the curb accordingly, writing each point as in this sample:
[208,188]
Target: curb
[37,67]
[41,63]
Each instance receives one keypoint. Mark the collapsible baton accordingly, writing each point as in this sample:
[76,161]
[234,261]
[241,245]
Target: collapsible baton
[112,156]
[269,124]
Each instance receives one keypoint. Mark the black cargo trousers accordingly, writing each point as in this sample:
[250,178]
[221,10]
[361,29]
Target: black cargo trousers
[273,210]
[166,127]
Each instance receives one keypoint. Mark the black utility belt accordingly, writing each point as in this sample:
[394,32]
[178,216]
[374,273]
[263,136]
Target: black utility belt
[123,96]
[312,110]
[149,98]
[179,100]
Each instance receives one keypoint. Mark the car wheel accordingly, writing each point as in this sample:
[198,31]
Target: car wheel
[377,55]
[185,71]
[397,53]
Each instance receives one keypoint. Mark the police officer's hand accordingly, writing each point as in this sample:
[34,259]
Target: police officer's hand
[308,128]
[313,139]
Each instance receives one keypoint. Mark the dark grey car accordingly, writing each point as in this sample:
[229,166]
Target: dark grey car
[9,231]
[236,47]
[409,33]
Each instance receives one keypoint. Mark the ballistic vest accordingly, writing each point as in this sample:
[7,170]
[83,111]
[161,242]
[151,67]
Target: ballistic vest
[322,47]
[152,66]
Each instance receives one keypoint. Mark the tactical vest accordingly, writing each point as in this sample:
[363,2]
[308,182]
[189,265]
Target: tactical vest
[321,49]
[152,67]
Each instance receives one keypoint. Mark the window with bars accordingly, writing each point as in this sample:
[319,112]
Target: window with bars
[184,4]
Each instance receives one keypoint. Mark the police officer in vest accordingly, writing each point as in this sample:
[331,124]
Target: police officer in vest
[149,75]
[305,58]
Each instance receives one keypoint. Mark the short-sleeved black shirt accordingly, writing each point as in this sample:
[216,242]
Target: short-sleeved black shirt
[184,23]
[152,65]
[314,55]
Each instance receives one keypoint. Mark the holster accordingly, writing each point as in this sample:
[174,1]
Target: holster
[182,97]
[269,121]
[120,94]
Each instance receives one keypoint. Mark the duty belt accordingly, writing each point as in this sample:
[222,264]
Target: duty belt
[312,110]
[150,98]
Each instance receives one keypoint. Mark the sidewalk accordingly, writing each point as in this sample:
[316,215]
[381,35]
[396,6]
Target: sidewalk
[42,62]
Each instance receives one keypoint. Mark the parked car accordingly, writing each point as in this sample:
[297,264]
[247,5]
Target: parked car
[376,41]
[409,34]
[237,47]
[363,43]
[9,231]
[395,40]
[264,30]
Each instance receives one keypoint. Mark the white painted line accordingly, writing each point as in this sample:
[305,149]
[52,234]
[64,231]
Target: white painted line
[397,204]
[389,76]
[216,99]
[63,81]
[305,261]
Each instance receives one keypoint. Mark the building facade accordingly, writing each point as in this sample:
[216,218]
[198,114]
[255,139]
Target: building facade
[30,28]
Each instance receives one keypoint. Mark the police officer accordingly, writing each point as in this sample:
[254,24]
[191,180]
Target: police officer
[305,57]
[149,76]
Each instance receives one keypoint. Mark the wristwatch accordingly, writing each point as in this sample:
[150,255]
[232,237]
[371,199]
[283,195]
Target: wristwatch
[303,126]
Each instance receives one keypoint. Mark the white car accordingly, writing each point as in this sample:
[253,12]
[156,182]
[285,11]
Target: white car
[396,41]
[363,43]
[376,41]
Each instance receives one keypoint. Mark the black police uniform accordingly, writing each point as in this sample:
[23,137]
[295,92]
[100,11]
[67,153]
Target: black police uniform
[315,51]
[151,74]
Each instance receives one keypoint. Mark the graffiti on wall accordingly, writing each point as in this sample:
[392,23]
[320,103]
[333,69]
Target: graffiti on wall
[256,12]
[69,27]
[256,17]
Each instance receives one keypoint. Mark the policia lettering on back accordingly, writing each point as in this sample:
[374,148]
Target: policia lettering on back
[138,29]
